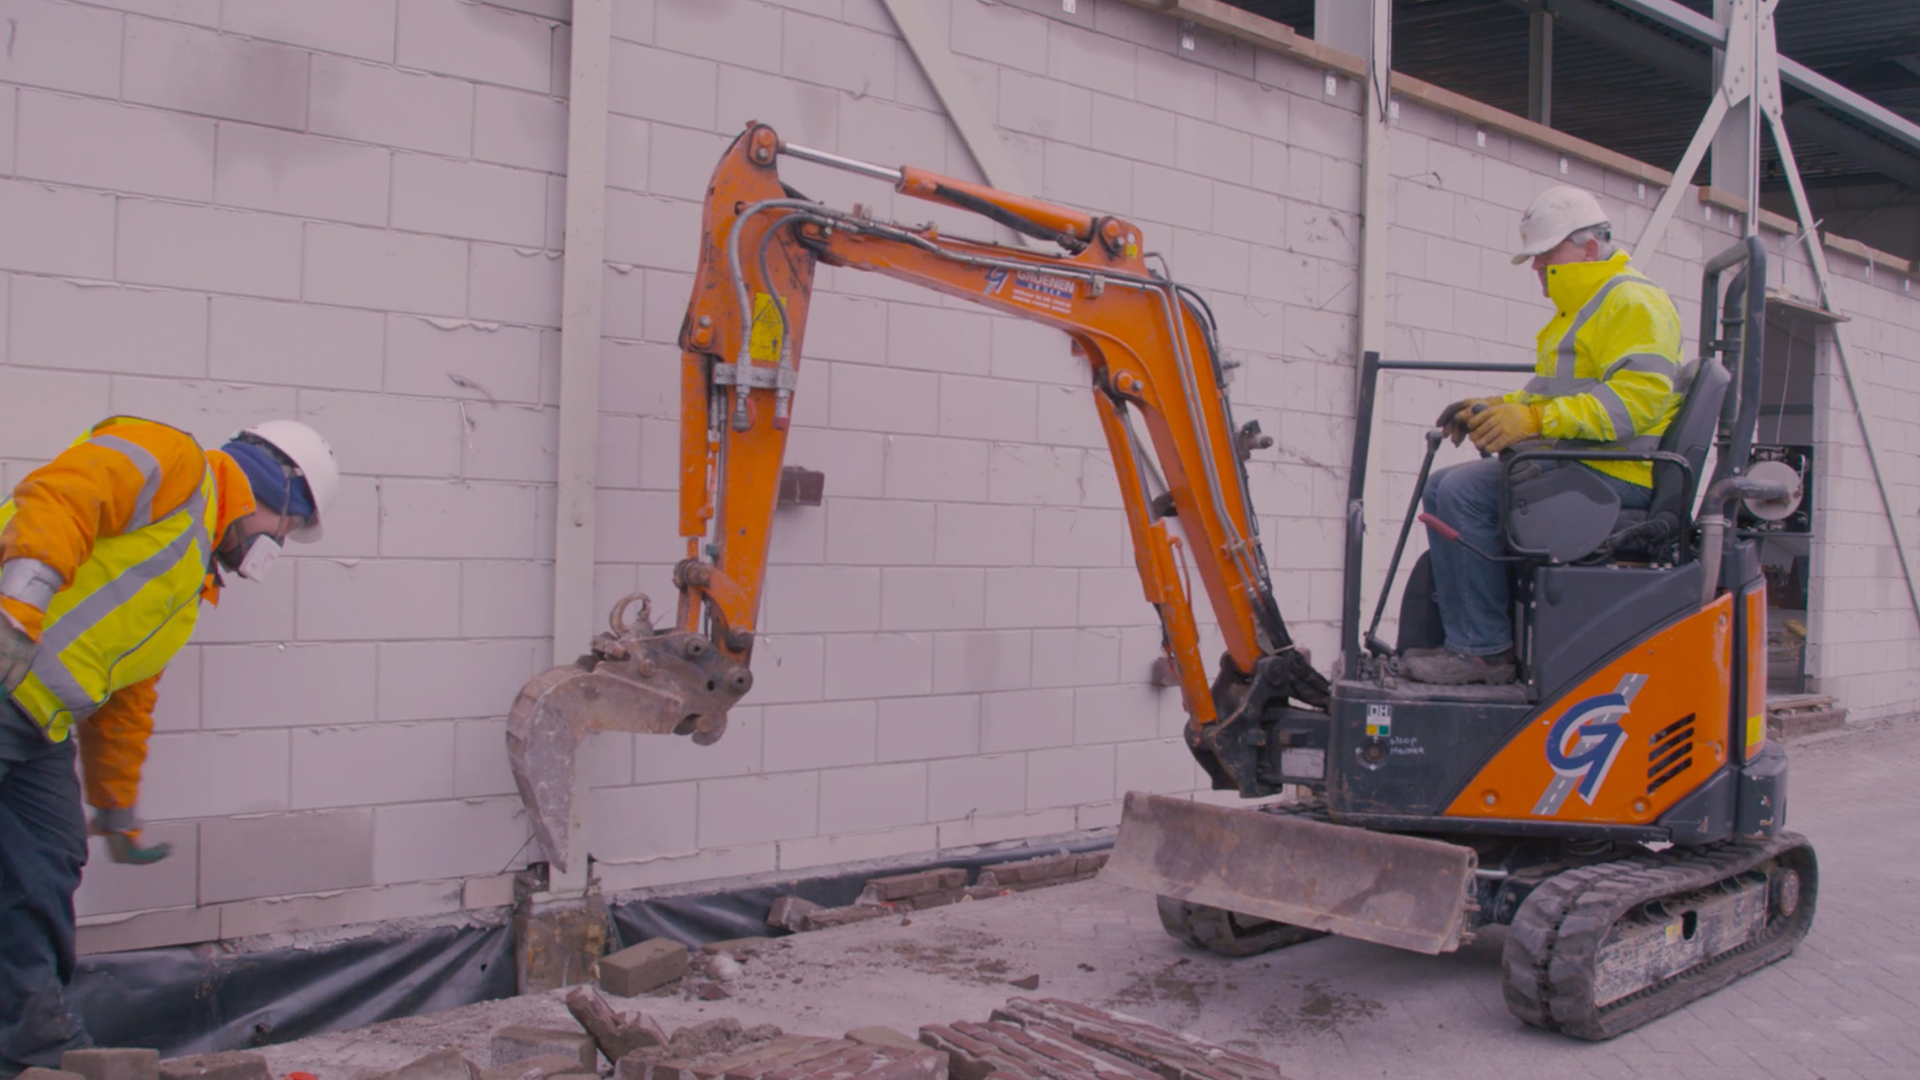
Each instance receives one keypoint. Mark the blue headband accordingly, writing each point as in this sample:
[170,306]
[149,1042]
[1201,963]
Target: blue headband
[274,485]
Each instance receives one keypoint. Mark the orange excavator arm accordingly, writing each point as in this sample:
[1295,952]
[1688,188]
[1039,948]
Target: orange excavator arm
[1153,366]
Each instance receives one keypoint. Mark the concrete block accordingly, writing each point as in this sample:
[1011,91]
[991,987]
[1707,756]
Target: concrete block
[511,127]
[646,822]
[982,535]
[265,169]
[505,599]
[1076,657]
[985,408]
[1032,596]
[747,34]
[917,729]
[754,809]
[478,42]
[931,598]
[442,519]
[364,766]
[1002,35]
[648,231]
[818,735]
[383,270]
[877,665]
[963,787]
[835,54]
[1046,108]
[110,888]
[1175,83]
[227,76]
[1069,775]
[854,461]
[523,1042]
[1253,107]
[456,679]
[1037,475]
[639,968]
[653,84]
[43,411]
[101,1063]
[384,105]
[880,531]
[1079,536]
[1161,765]
[1132,130]
[127,148]
[227,1065]
[938,339]
[56,230]
[63,47]
[970,661]
[437,840]
[515,285]
[469,199]
[285,854]
[204,774]
[60,324]
[888,400]
[1172,197]
[361,28]
[873,797]
[397,435]
[295,344]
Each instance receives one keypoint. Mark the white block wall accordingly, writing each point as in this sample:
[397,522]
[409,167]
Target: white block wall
[352,213]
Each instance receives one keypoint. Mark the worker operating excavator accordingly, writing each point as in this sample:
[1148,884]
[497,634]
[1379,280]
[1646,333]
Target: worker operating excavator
[105,555]
[1606,365]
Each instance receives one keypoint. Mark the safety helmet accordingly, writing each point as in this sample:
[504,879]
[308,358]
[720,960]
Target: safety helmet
[1558,213]
[313,458]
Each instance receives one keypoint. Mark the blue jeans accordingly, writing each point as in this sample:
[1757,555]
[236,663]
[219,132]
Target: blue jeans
[1473,590]
[43,845]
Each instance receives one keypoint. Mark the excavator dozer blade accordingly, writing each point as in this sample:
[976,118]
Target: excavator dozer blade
[1404,891]
[672,683]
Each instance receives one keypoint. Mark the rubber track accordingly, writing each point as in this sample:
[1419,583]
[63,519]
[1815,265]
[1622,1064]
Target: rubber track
[1547,967]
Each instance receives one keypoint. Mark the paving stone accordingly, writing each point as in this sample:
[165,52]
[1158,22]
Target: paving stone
[1173,1056]
[227,1065]
[909,886]
[637,969]
[749,1062]
[521,1042]
[38,1073]
[112,1063]
[544,1067]
[1012,1052]
[448,1064]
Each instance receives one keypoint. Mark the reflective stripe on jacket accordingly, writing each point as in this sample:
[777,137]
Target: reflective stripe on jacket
[1607,363]
[132,600]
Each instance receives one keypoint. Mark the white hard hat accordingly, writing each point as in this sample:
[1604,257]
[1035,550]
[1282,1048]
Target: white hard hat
[1557,214]
[314,458]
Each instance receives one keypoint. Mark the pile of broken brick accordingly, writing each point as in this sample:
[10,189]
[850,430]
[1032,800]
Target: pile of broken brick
[936,888]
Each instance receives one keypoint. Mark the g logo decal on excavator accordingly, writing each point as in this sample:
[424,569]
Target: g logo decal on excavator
[1583,744]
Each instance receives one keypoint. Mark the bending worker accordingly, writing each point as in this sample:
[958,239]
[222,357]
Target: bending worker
[105,555]
[1605,372]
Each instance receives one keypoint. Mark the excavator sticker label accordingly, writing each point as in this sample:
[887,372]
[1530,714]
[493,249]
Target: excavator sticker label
[1043,291]
[1583,744]
[1379,721]
[764,343]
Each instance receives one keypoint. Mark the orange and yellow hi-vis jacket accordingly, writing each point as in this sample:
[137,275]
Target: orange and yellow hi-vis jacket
[105,554]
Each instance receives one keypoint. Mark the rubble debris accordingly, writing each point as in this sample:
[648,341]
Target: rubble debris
[226,1065]
[712,992]
[521,1042]
[884,1036]
[616,1033]
[732,1054]
[1029,982]
[1015,1052]
[924,889]
[448,1064]
[788,912]
[738,948]
[35,1072]
[112,1063]
[1170,1055]
[1046,870]
[723,968]
[544,1067]
[637,969]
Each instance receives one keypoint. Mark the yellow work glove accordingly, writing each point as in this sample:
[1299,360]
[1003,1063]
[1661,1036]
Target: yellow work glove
[1455,417]
[1502,425]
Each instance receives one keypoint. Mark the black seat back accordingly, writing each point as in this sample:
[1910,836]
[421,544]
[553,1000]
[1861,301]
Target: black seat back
[1690,435]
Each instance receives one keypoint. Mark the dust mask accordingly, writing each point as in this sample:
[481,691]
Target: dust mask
[262,552]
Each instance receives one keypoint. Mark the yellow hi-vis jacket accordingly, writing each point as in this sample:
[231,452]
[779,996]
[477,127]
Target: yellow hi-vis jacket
[1607,363]
[105,555]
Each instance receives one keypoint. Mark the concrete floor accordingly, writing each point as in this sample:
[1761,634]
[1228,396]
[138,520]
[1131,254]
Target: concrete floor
[1846,1004]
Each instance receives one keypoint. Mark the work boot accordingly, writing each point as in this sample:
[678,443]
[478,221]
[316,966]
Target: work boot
[1408,654]
[1450,668]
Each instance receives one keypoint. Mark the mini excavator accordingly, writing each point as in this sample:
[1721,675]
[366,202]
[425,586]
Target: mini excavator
[1620,808]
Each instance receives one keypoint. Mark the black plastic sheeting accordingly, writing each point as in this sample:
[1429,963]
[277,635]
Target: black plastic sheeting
[196,999]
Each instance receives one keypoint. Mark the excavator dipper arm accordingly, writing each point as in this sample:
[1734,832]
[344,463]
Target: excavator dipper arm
[1152,363]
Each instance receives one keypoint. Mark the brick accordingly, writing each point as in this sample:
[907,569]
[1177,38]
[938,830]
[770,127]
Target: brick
[127,148]
[1032,873]
[639,968]
[964,787]
[384,105]
[523,1042]
[790,912]
[755,809]
[362,28]
[878,665]
[475,41]
[191,70]
[102,1063]
[285,854]
[617,1034]
[908,886]
[873,797]
[56,230]
[64,325]
[227,1065]
[517,286]
[197,247]
[285,172]
[469,199]
[438,840]
[383,270]
[430,680]
[295,344]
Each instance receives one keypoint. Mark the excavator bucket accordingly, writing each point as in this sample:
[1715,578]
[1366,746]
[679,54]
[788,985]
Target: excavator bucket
[671,683]
[1404,891]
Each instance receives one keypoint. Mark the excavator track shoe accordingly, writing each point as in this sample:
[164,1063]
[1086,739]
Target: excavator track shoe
[1602,949]
[1220,931]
